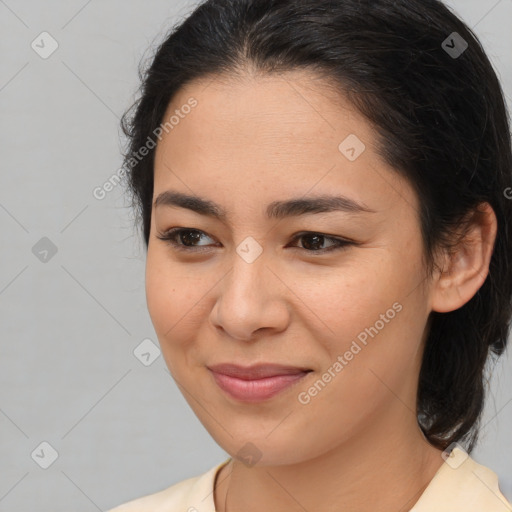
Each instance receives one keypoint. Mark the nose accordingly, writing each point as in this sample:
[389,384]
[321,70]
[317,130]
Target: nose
[251,301]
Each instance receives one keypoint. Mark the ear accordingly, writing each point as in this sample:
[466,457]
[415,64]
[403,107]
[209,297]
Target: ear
[465,268]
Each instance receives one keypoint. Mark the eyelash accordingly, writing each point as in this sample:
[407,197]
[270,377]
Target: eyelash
[171,235]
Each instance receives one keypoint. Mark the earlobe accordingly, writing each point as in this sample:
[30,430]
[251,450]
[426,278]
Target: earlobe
[466,267]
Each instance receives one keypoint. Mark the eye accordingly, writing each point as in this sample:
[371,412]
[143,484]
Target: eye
[184,239]
[313,240]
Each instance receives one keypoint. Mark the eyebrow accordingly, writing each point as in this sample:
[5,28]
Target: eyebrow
[275,210]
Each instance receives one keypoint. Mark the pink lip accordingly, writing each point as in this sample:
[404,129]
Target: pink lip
[255,383]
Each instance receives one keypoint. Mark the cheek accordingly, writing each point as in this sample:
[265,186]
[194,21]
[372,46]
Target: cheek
[159,291]
[380,360]
[346,300]
[166,296]
[361,379]
[373,316]
[165,303]
[176,301]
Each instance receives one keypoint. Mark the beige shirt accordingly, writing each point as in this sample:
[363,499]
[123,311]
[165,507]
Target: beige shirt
[460,485]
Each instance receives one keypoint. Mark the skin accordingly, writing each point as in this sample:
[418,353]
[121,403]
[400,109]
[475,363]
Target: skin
[356,445]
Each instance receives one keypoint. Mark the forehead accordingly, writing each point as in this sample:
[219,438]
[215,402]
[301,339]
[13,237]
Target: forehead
[294,108]
[283,132]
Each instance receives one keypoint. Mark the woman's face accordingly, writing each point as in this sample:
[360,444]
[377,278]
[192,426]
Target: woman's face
[255,291]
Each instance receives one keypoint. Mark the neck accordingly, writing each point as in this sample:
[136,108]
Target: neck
[384,468]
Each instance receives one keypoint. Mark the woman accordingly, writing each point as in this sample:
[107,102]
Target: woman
[322,187]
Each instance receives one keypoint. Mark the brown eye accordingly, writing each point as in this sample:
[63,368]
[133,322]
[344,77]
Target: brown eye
[183,239]
[313,242]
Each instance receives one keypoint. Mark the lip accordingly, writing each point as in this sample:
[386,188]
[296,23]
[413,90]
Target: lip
[256,371]
[258,382]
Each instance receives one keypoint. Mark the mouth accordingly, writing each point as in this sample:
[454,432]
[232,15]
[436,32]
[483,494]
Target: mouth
[256,383]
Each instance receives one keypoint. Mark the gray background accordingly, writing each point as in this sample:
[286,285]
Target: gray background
[70,321]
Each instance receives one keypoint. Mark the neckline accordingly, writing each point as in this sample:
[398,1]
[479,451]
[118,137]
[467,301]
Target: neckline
[451,472]
[216,471]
